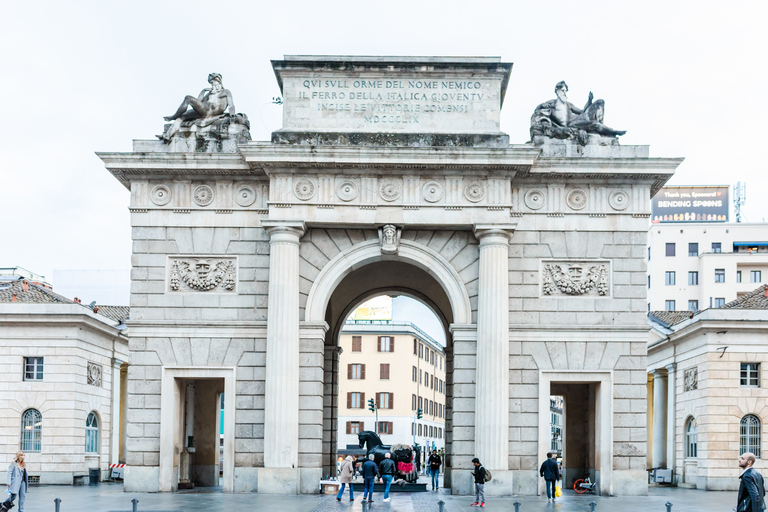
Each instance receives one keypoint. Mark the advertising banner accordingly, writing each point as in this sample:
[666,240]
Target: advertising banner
[690,204]
[378,308]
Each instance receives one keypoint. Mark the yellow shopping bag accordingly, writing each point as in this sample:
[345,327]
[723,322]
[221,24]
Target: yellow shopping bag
[558,491]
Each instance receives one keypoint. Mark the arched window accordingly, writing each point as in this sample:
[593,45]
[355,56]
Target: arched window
[31,430]
[750,435]
[92,433]
[691,438]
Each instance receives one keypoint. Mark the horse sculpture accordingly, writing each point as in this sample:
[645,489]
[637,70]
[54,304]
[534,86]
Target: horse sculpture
[399,453]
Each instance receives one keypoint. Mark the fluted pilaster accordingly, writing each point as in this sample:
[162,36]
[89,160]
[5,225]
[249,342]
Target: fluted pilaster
[281,387]
[659,418]
[671,391]
[492,363]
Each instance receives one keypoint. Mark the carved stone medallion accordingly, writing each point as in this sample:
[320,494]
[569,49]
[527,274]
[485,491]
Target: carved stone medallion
[304,189]
[535,199]
[94,374]
[432,191]
[474,191]
[619,200]
[389,190]
[389,238]
[576,199]
[202,274]
[575,278]
[203,195]
[160,195]
[691,379]
[245,195]
[347,190]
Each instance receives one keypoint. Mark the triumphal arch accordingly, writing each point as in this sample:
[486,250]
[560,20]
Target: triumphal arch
[389,175]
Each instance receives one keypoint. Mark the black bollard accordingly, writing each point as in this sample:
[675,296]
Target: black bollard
[669,506]
[517,506]
[441,505]
[135,504]
[57,503]
[592,506]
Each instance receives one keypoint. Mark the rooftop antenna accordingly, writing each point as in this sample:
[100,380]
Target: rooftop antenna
[739,198]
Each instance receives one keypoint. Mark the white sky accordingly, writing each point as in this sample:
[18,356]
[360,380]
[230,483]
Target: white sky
[686,77]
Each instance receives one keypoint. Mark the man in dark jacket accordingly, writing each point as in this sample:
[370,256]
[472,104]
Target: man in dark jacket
[369,472]
[387,472]
[550,472]
[751,489]
[434,469]
[479,474]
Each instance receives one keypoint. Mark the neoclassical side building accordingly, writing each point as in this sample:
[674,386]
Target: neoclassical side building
[388,175]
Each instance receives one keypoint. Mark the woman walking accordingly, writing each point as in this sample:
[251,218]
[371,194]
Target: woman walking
[17,482]
[345,477]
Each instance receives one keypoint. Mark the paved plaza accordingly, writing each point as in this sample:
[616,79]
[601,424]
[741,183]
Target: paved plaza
[111,498]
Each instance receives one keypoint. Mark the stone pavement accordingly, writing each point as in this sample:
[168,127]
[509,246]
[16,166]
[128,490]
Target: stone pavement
[111,498]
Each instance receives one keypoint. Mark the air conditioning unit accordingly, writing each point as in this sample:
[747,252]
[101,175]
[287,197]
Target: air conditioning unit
[662,476]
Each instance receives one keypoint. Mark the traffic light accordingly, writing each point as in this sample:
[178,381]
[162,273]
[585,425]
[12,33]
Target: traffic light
[371,405]
[419,413]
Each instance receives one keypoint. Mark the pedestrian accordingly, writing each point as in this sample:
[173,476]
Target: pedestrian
[751,496]
[479,474]
[18,482]
[550,471]
[387,472]
[434,469]
[369,472]
[345,477]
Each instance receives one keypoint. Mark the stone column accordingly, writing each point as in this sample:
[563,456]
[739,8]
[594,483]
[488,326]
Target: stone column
[671,390]
[492,359]
[281,386]
[114,452]
[659,418]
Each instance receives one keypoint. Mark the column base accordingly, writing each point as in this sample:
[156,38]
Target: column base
[463,483]
[278,481]
[141,479]
[630,483]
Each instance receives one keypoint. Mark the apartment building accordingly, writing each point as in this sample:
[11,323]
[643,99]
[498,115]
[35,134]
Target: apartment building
[700,265]
[402,369]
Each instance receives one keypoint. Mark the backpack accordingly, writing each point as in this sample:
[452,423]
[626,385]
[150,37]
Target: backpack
[488,476]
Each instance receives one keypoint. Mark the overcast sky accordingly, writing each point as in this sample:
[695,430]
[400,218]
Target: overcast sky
[688,78]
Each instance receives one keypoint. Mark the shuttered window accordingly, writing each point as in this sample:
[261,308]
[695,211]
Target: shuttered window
[386,344]
[413,402]
[415,374]
[415,347]
[357,343]
[355,400]
[384,371]
[385,427]
[385,400]
[356,371]
[355,427]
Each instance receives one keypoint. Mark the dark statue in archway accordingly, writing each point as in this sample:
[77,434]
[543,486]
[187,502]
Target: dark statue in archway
[401,454]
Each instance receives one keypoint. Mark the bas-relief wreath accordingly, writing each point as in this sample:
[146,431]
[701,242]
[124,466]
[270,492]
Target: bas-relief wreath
[202,274]
[575,278]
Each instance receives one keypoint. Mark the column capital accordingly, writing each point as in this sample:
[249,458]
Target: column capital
[117,363]
[284,230]
[494,234]
[659,374]
[671,367]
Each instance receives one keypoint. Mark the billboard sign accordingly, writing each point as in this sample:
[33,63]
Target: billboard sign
[378,308]
[690,204]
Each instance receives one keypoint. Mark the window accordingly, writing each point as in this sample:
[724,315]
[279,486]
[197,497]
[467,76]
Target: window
[386,344]
[649,254]
[33,368]
[670,249]
[385,427]
[738,276]
[419,428]
[441,363]
[426,379]
[384,371]
[431,382]
[421,376]
[355,371]
[92,433]
[717,247]
[431,431]
[719,275]
[669,278]
[415,347]
[693,278]
[750,435]
[691,438]
[413,402]
[355,427]
[755,276]
[357,343]
[413,429]
[421,351]
[355,400]
[31,430]
[750,375]
[693,305]
[431,408]
[439,433]
[693,249]
[421,404]
[719,302]
[649,282]
[415,375]
[669,305]
[432,357]
[385,400]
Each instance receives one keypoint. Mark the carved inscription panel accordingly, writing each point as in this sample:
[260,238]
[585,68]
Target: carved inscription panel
[414,104]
